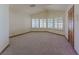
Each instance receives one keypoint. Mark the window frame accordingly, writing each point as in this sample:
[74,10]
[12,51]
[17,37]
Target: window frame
[45,23]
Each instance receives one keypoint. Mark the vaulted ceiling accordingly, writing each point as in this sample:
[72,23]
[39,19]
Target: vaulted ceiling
[32,9]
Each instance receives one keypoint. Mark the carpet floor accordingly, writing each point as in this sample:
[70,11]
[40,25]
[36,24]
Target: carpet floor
[39,43]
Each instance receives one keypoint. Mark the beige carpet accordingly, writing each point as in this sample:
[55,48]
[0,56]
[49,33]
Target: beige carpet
[39,43]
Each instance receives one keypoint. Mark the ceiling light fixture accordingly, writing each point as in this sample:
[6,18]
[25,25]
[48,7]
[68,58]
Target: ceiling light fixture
[32,5]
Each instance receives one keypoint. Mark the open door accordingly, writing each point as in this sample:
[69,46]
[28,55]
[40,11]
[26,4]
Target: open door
[71,26]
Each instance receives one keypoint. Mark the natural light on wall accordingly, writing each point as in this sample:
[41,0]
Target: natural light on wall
[50,23]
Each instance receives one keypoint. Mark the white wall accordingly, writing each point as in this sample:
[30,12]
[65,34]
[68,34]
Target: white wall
[4,26]
[66,25]
[19,23]
[76,29]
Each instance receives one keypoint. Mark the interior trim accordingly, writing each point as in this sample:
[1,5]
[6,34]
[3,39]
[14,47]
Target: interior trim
[34,31]
[4,49]
[18,34]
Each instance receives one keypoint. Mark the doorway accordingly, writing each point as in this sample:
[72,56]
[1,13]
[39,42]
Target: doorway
[71,26]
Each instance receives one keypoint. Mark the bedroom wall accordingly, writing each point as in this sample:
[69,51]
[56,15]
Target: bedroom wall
[76,28]
[19,23]
[4,26]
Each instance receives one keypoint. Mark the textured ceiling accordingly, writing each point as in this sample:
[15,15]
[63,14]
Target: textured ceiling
[25,8]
